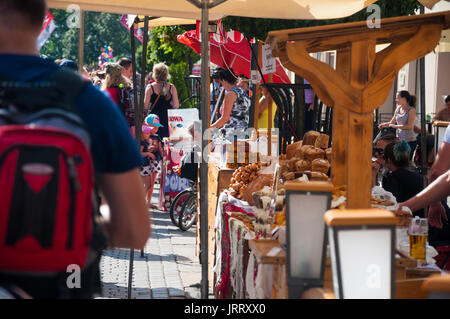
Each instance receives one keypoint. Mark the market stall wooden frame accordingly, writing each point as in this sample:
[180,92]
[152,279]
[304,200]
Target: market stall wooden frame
[360,84]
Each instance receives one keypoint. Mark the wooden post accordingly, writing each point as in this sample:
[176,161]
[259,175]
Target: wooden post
[269,120]
[360,130]
[340,125]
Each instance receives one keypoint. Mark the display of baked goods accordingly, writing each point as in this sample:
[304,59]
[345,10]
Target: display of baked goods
[243,177]
[320,165]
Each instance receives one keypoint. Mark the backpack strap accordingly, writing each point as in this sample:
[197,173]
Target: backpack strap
[59,91]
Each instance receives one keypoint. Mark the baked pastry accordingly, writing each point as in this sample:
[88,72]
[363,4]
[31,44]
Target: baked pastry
[291,148]
[313,153]
[318,176]
[300,152]
[288,176]
[303,165]
[292,163]
[320,165]
[310,137]
[322,141]
[328,154]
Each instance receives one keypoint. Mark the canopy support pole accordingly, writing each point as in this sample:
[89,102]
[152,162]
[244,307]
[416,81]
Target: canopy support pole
[423,129]
[204,165]
[81,42]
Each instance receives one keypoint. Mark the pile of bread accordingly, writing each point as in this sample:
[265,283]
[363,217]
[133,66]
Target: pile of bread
[243,177]
[310,156]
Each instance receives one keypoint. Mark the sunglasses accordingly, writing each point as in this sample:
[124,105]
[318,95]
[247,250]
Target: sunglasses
[378,150]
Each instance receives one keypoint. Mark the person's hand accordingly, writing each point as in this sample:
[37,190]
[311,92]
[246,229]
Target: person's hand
[376,167]
[382,125]
[436,213]
[152,156]
[392,125]
[311,107]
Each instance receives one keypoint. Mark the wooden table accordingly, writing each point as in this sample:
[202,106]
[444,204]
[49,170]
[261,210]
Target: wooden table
[262,249]
[218,180]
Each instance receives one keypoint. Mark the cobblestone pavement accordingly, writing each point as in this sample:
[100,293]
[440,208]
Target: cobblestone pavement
[169,268]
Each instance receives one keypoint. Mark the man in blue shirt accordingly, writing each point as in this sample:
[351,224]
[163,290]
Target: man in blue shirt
[115,153]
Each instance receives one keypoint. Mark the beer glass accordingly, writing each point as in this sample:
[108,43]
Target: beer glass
[418,233]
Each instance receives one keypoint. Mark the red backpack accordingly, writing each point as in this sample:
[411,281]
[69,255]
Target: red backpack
[46,176]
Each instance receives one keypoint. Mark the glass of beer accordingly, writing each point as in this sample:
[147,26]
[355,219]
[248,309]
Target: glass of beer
[418,233]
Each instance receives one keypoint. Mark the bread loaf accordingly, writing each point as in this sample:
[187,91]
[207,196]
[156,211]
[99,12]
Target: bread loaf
[300,152]
[288,176]
[322,141]
[316,176]
[310,137]
[320,165]
[313,153]
[302,165]
[291,148]
[328,154]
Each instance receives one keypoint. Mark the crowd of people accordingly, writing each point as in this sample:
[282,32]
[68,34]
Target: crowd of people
[396,169]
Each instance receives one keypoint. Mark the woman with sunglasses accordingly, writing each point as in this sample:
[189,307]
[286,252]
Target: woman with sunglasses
[378,163]
[401,182]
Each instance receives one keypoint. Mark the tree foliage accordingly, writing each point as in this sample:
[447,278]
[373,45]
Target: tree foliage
[259,28]
[100,29]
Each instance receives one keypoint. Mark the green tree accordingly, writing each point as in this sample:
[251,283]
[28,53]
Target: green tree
[100,29]
[259,28]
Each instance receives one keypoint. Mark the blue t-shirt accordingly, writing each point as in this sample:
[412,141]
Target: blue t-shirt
[113,148]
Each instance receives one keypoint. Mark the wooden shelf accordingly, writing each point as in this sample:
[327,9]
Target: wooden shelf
[262,248]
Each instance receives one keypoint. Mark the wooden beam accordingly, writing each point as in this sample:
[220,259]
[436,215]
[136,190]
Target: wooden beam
[389,61]
[360,132]
[320,37]
[323,77]
[340,125]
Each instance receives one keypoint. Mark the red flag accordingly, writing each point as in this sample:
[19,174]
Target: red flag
[48,18]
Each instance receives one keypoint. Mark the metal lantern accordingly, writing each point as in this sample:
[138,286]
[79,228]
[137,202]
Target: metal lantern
[362,248]
[306,204]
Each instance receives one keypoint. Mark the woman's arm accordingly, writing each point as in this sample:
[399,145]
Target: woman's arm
[228,103]
[410,124]
[147,97]
[392,121]
[175,101]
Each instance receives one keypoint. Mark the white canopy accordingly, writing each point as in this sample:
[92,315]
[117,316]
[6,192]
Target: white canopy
[281,9]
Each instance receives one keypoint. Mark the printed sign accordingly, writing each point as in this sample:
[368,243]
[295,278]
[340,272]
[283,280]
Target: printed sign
[268,61]
[180,120]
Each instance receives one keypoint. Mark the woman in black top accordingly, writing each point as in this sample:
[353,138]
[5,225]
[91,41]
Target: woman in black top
[401,182]
[164,94]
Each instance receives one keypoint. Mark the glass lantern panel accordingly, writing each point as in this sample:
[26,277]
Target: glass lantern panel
[365,259]
[306,236]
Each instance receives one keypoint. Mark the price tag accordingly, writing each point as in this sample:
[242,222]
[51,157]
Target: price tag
[255,77]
